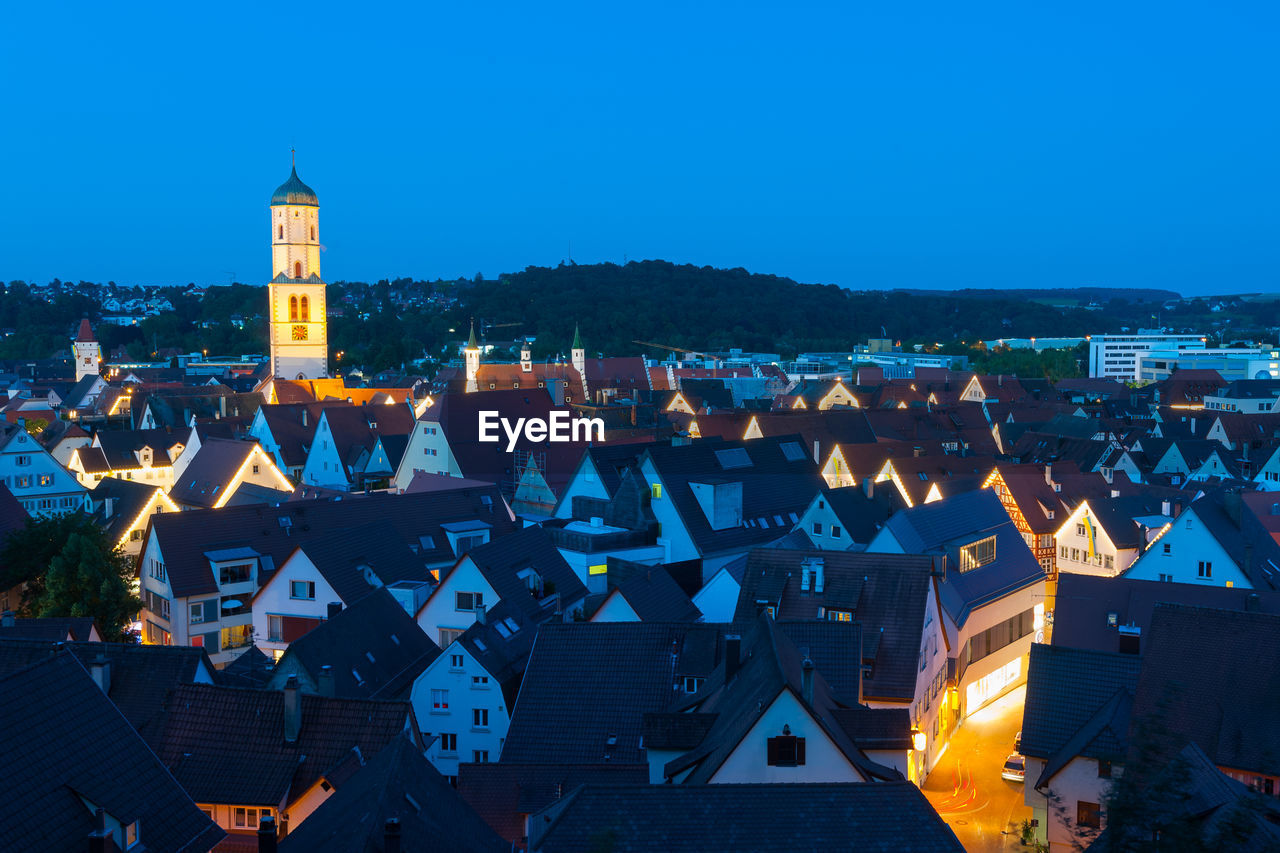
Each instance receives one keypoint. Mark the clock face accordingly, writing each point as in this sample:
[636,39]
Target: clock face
[299,333]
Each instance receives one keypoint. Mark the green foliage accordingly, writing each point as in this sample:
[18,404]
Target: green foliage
[35,426]
[72,569]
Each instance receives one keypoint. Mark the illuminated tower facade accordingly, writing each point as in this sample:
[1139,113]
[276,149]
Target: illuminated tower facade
[299,332]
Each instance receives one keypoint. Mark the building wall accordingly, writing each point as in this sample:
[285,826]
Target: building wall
[324,463]
[276,599]
[615,609]
[1056,808]
[1076,547]
[585,482]
[427,450]
[1188,543]
[718,598]
[465,696]
[441,611]
[824,762]
[43,487]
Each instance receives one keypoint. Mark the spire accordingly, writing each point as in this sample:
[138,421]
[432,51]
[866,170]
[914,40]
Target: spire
[471,341]
[577,338]
[293,159]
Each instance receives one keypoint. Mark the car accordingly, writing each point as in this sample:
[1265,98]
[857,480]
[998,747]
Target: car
[1015,768]
[1017,743]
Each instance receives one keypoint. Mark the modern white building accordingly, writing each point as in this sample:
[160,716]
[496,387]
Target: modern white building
[1118,356]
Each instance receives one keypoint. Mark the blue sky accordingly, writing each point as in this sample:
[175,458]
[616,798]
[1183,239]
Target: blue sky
[931,145]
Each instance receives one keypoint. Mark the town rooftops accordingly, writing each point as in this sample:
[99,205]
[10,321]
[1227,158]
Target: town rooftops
[1211,677]
[65,745]
[1078,704]
[688,818]
[228,745]
[885,593]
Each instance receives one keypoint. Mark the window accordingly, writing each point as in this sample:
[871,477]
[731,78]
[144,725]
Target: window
[439,700]
[655,491]
[480,718]
[246,818]
[255,469]
[1062,551]
[24,482]
[977,554]
[468,600]
[599,569]
[1104,769]
[1088,814]
[448,742]
[1075,554]
[839,615]
[280,233]
[480,756]
[785,750]
[479,681]
[304,310]
[131,835]
[455,661]
[297,269]
[202,611]
[1080,530]
[1166,578]
[817,529]
[691,683]
[275,629]
[24,460]
[1168,549]
[835,532]
[304,590]
[46,479]
[1205,569]
[1110,561]
[313,232]
[239,573]
[157,569]
[448,635]
[293,309]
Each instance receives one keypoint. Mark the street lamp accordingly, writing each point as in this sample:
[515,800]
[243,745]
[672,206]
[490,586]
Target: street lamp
[918,740]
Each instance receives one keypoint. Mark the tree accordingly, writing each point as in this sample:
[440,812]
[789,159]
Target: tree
[72,568]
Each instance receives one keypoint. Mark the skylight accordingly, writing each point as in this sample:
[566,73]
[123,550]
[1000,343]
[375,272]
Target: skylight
[734,457]
[792,450]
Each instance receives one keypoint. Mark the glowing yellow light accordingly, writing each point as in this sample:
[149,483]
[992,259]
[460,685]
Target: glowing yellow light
[919,740]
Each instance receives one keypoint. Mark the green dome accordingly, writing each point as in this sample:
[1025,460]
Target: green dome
[294,191]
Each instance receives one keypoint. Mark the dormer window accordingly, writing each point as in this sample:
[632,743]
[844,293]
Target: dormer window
[786,750]
[977,554]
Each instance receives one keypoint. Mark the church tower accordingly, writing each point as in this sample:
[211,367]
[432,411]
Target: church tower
[86,351]
[579,357]
[299,332]
[471,352]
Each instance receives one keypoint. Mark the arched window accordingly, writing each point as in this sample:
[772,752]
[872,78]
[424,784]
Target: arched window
[313,232]
[304,314]
[297,269]
[293,309]
[281,233]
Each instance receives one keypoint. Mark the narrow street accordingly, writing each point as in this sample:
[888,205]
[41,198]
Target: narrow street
[985,811]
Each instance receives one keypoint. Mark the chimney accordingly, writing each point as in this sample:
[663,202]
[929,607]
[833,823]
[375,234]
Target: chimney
[335,607]
[7,619]
[267,834]
[816,565]
[1253,604]
[1166,509]
[732,656]
[917,452]
[481,612]
[98,838]
[939,569]
[869,486]
[391,835]
[292,710]
[807,679]
[1130,640]
[1048,473]
[817,458]
[326,681]
[1193,426]
[304,415]
[1231,503]
[100,669]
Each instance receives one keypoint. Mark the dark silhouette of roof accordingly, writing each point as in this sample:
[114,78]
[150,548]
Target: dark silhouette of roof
[64,744]
[679,818]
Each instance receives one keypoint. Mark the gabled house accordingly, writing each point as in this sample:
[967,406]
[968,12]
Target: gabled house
[346,441]
[145,456]
[601,531]
[1075,733]
[370,650]
[244,755]
[65,745]
[199,570]
[226,472]
[40,484]
[767,715]
[287,430]
[715,502]
[1216,541]
[329,572]
[644,594]
[841,519]
[1105,536]
[394,801]
[522,568]
[124,508]
[904,649]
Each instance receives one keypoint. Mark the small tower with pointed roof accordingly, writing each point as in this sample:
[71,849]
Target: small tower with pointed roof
[299,323]
[471,352]
[579,356]
[87,353]
[526,356]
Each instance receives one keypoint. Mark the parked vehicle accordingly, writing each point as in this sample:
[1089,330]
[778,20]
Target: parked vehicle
[1015,768]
